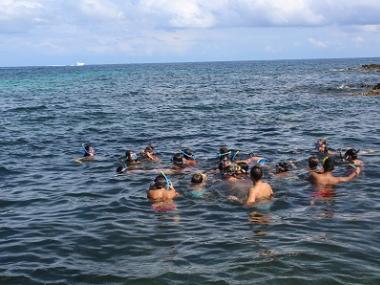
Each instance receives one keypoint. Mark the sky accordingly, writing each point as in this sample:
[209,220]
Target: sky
[63,32]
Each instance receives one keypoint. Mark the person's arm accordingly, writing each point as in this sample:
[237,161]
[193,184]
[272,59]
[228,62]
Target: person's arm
[349,177]
[251,197]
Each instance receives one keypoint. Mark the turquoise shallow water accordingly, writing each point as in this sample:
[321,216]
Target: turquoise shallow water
[63,223]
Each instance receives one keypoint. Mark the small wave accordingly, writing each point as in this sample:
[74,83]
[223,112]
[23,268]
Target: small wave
[28,109]
[5,171]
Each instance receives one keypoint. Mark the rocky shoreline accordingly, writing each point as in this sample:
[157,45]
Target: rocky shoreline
[370,67]
[373,91]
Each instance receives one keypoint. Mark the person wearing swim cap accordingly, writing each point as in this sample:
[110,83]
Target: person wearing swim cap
[326,179]
[161,190]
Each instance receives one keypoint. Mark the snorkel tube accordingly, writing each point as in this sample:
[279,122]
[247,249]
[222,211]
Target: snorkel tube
[168,182]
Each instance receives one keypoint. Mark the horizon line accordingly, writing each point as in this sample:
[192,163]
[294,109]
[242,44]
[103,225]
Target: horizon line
[184,62]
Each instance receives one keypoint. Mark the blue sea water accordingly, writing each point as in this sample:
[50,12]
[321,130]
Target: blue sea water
[64,223]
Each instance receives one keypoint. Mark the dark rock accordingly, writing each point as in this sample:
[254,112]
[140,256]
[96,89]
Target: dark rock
[371,67]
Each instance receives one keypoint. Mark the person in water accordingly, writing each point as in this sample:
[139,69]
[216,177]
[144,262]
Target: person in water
[327,179]
[351,156]
[259,191]
[183,159]
[88,153]
[198,184]
[121,170]
[313,163]
[236,172]
[149,153]
[162,190]
[131,158]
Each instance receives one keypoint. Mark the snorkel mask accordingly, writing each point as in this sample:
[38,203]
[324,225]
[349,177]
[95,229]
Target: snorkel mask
[187,154]
[88,149]
[351,154]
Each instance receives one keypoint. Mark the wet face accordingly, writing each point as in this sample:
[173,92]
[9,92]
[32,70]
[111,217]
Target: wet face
[91,151]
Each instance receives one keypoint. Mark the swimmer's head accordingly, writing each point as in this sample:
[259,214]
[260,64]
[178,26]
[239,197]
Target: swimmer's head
[328,164]
[313,162]
[282,167]
[187,154]
[130,155]
[224,164]
[256,173]
[321,146]
[177,160]
[160,182]
[351,154]
[121,170]
[89,150]
[197,178]
[224,152]
[149,149]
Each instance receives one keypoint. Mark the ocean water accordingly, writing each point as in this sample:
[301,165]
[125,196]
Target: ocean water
[64,223]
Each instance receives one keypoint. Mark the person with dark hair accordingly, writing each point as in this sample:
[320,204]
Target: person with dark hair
[327,179]
[313,162]
[161,190]
[260,189]
[149,153]
[183,159]
[198,184]
[131,158]
[88,153]
[351,156]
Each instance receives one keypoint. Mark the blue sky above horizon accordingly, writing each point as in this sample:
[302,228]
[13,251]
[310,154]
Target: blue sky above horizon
[47,32]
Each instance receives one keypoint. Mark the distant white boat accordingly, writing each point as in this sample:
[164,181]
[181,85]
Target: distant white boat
[80,63]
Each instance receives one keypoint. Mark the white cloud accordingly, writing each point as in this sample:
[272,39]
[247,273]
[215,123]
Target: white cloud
[317,43]
[101,9]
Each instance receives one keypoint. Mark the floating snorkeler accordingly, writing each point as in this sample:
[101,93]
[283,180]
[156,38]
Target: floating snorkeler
[183,159]
[149,154]
[88,153]
[351,156]
[162,189]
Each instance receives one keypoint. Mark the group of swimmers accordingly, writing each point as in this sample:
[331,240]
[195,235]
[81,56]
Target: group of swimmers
[233,170]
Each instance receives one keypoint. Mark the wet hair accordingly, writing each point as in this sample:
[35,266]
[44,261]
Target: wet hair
[256,173]
[353,153]
[149,148]
[282,167]
[197,178]
[313,162]
[224,152]
[328,164]
[160,182]
[177,159]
